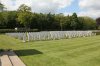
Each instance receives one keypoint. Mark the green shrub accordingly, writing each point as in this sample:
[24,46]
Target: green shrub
[19,30]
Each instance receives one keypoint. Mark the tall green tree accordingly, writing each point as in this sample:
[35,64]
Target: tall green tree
[67,23]
[41,20]
[11,19]
[50,20]
[24,15]
[74,22]
[81,23]
[61,19]
[89,23]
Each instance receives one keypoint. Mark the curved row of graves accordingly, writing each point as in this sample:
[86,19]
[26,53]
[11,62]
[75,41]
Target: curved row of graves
[50,35]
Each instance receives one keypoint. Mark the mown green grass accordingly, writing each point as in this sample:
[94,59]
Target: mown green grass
[68,52]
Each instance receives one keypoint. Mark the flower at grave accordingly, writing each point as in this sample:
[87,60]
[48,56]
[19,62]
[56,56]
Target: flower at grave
[16,28]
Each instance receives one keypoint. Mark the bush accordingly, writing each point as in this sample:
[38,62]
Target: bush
[97,32]
[19,30]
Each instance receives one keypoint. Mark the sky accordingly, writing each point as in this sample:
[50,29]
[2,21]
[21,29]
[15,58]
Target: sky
[89,8]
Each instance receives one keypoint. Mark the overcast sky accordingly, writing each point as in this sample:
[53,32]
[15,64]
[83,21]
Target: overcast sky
[81,7]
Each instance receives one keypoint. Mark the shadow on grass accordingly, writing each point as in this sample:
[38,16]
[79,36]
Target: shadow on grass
[27,52]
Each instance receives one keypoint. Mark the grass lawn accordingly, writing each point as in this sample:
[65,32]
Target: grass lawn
[68,52]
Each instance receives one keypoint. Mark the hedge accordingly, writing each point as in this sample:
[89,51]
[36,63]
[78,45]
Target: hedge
[19,30]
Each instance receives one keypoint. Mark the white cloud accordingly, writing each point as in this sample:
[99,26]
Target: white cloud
[93,13]
[90,4]
[63,3]
[14,4]
[43,6]
[91,7]
[68,13]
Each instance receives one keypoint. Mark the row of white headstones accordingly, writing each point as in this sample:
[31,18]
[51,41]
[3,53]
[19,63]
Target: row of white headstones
[50,35]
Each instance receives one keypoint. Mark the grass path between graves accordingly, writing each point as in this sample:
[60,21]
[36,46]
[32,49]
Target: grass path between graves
[67,52]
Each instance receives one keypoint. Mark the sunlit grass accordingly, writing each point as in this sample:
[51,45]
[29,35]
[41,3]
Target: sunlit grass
[68,52]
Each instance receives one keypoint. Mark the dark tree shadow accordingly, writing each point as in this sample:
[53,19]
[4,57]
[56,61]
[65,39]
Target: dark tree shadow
[27,52]
[0,62]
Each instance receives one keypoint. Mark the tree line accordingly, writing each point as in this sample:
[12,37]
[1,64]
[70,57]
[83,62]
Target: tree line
[24,18]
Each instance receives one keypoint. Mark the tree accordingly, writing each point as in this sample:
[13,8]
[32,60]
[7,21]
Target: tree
[41,20]
[81,23]
[11,19]
[74,21]
[24,8]
[25,18]
[49,21]
[24,15]
[1,7]
[60,18]
[1,20]
[34,23]
[89,23]
[67,23]
[98,22]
